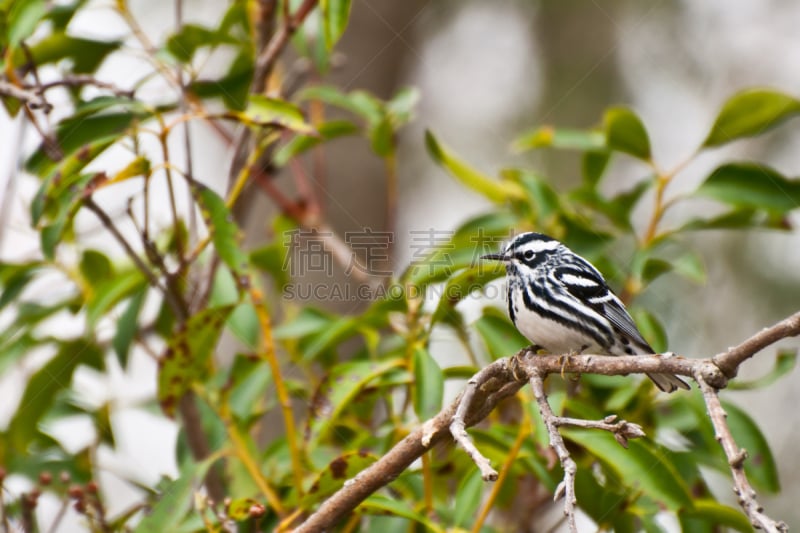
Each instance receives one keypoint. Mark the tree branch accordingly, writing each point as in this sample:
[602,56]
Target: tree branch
[506,376]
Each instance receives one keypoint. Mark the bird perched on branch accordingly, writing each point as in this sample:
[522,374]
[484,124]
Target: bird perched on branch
[561,303]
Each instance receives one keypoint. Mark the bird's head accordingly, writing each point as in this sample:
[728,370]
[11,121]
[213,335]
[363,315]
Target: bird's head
[526,251]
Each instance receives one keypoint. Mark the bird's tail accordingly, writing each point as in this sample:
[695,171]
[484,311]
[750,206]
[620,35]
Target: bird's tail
[668,382]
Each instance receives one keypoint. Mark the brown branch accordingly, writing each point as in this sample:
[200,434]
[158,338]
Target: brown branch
[736,457]
[730,360]
[506,376]
[266,60]
[405,452]
[32,99]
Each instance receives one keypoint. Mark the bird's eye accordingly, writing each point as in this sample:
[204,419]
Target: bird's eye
[528,254]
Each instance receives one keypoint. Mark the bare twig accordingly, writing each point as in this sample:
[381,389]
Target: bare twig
[31,98]
[736,457]
[505,377]
[566,488]
[266,60]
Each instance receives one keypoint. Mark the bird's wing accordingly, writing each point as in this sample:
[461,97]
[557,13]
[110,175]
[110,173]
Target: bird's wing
[586,284]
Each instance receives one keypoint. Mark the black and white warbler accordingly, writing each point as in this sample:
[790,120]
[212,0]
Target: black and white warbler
[561,303]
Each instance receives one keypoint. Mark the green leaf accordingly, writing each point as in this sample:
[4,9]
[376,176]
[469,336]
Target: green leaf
[653,268]
[718,514]
[308,322]
[85,54]
[651,329]
[428,384]
[107,293]
[335,15]
[23,17]
[127,326]
[175,500]
[382,138]
[95,266]
[43,387]
[760,466]
[493,190]
[752,186]
[183,44]
[784,363]
[267,111]
[468,499]
[187,356]
[302,143]
[340,388]
[225,233]
[233,87]
[360,103]
[461,286]
[751,112]
[626,133]
[401,107]
[502,339]
[691,267]
[563,138]
[642,466]
[379,504]
[85,137]
[333,477]
[14,277]
[247,383]
[593,165]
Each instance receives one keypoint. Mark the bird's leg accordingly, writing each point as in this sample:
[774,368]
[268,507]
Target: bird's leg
[515,361]
[564,359]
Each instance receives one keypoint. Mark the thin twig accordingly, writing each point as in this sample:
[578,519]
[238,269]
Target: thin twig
[566,488]
[736,457]
[266,60]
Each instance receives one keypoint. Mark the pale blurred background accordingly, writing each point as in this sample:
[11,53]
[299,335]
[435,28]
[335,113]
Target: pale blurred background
[486,72]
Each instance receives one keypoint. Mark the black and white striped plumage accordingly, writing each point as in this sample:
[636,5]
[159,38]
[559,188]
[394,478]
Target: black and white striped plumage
[561,303]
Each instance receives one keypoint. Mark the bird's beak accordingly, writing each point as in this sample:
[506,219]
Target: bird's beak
[494,257]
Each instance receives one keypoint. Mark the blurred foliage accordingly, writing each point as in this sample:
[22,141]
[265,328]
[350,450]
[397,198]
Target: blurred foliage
[359,383]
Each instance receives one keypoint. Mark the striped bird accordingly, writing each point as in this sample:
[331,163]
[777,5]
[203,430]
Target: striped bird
[561,303]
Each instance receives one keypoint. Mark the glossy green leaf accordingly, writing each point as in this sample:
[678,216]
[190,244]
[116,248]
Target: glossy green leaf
[45,384]
[751,112]
[382,137]
[501,337]
[187,356]
[651,329]
[494,190]
[760,466]
[340,388]
[333,477]
[267,111]
[737,218]
[785,362]
[95,266]
[751,185]
[127,327]
[543,198]
[625,133]
[307,322]
[335,15]
[563,138]
[302,143]
[428,384]
[642,466]
[468,499]
[718,514]
[691,267]
[225,233]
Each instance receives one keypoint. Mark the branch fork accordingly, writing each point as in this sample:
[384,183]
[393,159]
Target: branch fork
[504,377]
